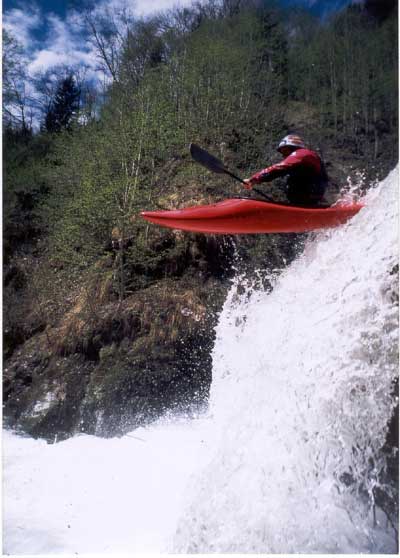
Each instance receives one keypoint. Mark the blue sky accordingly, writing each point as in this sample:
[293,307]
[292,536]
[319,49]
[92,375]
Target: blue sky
[52,35]
[57,6]
[51,30]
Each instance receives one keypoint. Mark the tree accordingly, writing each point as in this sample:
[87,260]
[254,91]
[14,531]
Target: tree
[64,109]
[107,29]
[16,110]
[143,49]
[380,9]
[233,81]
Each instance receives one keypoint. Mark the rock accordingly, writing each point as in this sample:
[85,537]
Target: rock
[133,363]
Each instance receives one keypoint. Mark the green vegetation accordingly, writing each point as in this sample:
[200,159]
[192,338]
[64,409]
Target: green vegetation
[225,75]
[111,316]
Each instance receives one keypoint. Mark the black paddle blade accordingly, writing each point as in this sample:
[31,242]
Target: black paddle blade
[206,159]
[210,162]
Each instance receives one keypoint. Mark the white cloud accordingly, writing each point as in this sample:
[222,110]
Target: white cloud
[21,23]
[141,7]
[50,41]
[45,59]
[146,7]
[63,40]
[63,44]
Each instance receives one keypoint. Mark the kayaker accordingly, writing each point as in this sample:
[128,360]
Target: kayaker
[307,178]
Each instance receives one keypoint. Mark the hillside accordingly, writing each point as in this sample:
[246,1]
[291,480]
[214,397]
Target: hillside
[109,322]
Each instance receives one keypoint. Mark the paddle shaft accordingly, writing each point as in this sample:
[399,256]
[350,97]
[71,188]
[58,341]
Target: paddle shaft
[213,164]
[234,176]
[259,192]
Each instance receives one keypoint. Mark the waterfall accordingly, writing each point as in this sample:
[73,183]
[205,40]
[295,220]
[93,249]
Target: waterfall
[292,455]
[301,398]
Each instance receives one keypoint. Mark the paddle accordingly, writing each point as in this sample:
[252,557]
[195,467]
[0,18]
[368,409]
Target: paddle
[210,162]
[215,165]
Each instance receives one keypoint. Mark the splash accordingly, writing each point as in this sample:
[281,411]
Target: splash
[94,495]
[301,397]
[289,459]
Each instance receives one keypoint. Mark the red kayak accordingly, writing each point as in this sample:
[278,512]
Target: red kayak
[247,216]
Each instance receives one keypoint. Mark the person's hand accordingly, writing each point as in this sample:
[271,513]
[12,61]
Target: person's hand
[248,183]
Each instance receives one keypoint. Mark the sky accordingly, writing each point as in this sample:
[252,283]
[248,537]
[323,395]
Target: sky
[51,30]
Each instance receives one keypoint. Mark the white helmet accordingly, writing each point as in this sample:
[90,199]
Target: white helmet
[291,141]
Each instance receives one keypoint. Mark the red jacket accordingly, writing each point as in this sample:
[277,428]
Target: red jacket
[302,162]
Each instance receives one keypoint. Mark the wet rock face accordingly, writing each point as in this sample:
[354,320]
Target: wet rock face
[66,395]
[105,366]
[129,387]
[43,393]
[121,372]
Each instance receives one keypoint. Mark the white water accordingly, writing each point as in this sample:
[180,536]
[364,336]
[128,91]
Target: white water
[91,495]
[301,395]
